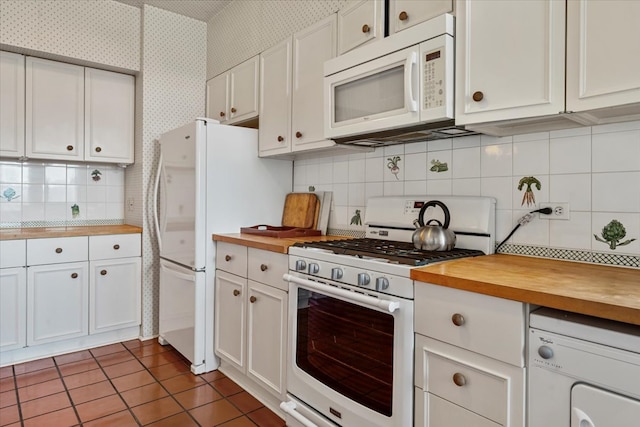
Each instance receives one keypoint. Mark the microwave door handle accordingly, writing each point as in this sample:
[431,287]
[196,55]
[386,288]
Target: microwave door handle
[409,67]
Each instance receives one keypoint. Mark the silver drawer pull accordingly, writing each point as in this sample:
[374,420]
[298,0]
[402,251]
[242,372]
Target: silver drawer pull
[58,250]
[458,319]
[459,379]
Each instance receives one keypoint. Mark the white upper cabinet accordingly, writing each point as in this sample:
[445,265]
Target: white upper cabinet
[291,73]
[407,13]
[509,59]
[603,57]
[54,110]
[11,104]
[232,97]
[360,22]
[109,116]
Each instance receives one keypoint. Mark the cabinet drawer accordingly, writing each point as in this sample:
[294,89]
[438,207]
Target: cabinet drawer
[62,249]
[441,413]
[13,253]
[268,267]
[114,246]
[485,386]
[479,316]
[231,258]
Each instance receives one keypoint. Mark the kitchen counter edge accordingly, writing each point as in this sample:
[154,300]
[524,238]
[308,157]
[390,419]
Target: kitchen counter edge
[273,244]
[53,232]
[596,290]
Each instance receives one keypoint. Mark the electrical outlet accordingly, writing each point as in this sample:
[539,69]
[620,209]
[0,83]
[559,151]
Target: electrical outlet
[559,210]
[130,204]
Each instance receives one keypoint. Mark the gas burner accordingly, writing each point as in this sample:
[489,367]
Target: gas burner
[390,250]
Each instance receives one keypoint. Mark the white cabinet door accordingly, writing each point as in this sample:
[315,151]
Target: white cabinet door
[230,318]
[217,99]
[54,110]
[407,13]
[275,100]
[509,59]
[57,302]
[603,54]
[11,105]
[360,22]
[114,294]
[13,303]
[311,48]
[267,337]
[109,116]
[243,95]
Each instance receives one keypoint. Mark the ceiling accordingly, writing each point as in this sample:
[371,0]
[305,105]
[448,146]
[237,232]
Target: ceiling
[202,10]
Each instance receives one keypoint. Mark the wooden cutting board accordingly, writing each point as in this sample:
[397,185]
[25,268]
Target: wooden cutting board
[300,210]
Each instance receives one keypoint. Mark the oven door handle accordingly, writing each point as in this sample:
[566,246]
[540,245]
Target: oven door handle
[361,299]
[290,408]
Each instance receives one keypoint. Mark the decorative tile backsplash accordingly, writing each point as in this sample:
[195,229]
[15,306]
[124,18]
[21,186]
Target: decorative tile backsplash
[596,170]
[38,194]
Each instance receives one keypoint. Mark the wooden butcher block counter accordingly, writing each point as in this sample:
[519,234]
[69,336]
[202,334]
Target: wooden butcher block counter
[48,232]
[602,291]
[273,244]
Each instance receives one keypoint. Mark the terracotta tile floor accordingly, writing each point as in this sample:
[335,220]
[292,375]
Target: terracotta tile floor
[127,384]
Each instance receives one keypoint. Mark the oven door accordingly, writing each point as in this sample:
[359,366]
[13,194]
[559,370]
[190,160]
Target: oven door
[350,353]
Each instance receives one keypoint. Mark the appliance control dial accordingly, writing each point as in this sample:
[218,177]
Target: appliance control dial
[363,279]
[313,268]
[301,265]
[336,273]
[545,352]
[382,283]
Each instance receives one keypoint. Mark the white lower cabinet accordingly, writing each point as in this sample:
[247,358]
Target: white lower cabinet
[57,302]
[466,375]
[13,304]
[114,294]
[63,294]
[251,317]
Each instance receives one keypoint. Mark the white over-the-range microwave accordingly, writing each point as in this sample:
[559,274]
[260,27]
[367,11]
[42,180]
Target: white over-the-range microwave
[395,90]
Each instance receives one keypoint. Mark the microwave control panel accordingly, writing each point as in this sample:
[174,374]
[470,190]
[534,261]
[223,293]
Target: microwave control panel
[434,78]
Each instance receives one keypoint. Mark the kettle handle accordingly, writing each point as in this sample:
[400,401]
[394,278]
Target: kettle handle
[445,209]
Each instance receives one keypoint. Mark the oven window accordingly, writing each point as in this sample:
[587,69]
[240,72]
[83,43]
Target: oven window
[346,347]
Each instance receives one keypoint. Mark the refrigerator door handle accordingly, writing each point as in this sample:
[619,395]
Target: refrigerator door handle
[156,190]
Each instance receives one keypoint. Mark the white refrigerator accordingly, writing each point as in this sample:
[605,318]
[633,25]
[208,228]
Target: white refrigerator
[210,180]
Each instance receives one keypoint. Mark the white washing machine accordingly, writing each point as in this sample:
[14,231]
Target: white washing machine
[582,371]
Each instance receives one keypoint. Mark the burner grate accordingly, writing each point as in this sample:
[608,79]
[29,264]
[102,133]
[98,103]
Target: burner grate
[393,251]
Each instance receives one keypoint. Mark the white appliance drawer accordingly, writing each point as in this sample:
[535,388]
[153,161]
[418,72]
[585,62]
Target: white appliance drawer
[485,386]
[114,246]
[13,253]
[268,267]
[231,258]
[471,321]
[57,250]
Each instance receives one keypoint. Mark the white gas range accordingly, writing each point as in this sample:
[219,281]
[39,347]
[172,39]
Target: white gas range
[351,312]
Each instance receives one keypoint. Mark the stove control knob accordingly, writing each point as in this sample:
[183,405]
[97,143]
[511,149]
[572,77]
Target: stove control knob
[301,265]
[363,279]
[545,352]
[313,268]
[382,283]
[336,273]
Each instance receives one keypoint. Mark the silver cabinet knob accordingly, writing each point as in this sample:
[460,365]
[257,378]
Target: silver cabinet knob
[301,265]
[313,268]
[336,273]
[363,279]
[382,283]
[545,352]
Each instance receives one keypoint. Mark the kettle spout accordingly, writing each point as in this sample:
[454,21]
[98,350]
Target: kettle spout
[416,223]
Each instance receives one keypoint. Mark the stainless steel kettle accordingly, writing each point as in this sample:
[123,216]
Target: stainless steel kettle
[433,237]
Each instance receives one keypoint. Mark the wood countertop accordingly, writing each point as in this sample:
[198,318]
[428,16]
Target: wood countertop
[90,230]
[596,290]
[273,244]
